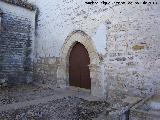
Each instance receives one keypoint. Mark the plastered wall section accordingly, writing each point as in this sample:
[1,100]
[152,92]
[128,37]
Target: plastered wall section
[16,44]
[126,38]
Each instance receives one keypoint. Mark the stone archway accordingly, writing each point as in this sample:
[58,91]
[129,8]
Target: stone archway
[97,87]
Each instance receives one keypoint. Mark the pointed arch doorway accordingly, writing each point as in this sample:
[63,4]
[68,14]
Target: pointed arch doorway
[97,87]
[79,74]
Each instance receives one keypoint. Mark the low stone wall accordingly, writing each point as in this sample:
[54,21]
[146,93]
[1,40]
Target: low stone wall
[145,110]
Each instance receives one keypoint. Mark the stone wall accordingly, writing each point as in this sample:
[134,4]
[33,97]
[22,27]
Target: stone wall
[132,59]
[126,38]
[16,44]
[45,71]
[0,18]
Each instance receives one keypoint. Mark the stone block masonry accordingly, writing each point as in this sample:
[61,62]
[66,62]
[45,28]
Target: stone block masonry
[16,45]
[0,18]
[125,39]
[125,36]
[45,71]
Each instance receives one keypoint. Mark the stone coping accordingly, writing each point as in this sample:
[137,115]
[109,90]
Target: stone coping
[21,3]
[143,102]
[124,105]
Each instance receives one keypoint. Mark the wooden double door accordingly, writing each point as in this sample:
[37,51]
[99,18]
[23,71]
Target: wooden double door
[79,75]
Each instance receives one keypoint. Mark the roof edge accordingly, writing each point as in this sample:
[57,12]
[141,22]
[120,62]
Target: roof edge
[21,3]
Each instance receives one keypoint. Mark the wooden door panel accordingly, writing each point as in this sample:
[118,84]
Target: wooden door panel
[74,76]
[85,78]
[79,74]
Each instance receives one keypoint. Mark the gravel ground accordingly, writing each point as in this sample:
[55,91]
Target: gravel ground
[9,95]
[30,102]
[67,108]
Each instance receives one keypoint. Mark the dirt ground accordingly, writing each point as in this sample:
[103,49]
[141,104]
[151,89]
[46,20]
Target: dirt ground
[31,102]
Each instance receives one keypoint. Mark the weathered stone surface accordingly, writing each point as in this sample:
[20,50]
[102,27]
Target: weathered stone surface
[147,109]
[126,36]
[16,45]
[45,71]
[0,21]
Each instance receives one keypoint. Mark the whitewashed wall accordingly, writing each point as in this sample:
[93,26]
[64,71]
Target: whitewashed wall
[126,36]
